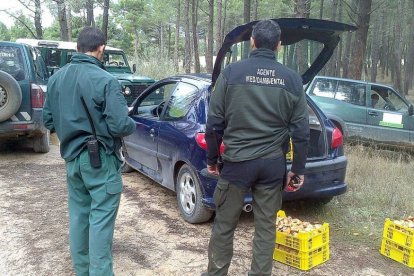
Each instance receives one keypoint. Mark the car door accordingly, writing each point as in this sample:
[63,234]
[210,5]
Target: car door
[387,116]
[177,127]
[142,145]
[344,99]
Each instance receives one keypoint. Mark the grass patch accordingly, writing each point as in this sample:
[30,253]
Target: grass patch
[380,186]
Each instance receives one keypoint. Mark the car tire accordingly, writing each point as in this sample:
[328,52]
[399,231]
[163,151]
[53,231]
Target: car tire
[10,96]
[189,196]
[126,168]
[41,144]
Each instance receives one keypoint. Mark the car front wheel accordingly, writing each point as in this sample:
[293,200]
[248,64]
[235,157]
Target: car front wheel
[189,197]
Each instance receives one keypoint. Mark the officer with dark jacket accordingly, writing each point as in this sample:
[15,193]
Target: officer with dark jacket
[257,104]
[94,192]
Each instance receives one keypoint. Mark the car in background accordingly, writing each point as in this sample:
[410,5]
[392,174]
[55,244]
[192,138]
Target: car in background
[23,80]
[57,53]
[168,144]
[365,111]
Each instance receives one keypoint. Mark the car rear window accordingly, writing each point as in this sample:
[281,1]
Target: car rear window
[11,61]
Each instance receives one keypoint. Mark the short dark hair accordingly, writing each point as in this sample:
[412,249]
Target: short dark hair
[90,39]
[266,34]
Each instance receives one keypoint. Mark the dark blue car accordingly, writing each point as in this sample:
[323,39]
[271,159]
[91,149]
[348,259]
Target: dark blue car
[168,144]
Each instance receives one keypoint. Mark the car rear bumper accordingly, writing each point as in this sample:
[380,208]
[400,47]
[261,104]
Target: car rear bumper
[323,179]
[16,128]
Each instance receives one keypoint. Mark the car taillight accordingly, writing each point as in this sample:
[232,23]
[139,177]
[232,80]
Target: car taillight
[337,138]
[37,96]
[201,141]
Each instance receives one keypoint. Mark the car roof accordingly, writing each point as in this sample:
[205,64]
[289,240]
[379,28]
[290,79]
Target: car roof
[293,30]
[67,45]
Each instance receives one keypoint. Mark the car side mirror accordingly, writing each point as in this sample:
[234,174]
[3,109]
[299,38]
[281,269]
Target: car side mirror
[134,67]
[410,110]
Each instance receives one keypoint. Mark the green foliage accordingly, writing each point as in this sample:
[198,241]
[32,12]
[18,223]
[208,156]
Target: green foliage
[22,28]
[4,33]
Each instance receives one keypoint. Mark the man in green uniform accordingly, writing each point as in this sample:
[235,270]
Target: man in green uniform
[94,193]
[256,105]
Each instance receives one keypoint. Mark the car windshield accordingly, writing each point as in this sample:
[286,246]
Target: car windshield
[113,59]
[298,56]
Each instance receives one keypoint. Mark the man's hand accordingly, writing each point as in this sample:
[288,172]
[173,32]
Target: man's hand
[294,182]
[213,169]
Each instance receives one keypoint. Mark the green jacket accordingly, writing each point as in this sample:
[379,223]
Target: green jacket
[258,104]
[63,110]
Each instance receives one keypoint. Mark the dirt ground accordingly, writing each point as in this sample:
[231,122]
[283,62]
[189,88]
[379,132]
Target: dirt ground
[150,236]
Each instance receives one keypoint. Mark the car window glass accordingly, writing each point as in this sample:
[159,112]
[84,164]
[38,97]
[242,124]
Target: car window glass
[388,99]
[11,61]
[114,59]
[153,103]
[298,56]
[39,64]
[180,102]
[52,58]
[350,92]
[324,88]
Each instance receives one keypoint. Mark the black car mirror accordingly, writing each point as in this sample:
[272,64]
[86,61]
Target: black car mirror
[134,67]
[410,110]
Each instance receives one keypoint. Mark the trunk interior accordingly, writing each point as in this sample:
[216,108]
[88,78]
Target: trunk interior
[318,142]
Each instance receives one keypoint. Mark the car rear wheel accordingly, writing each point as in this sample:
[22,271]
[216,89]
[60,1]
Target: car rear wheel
[41,144]
[189,197]
[10,96]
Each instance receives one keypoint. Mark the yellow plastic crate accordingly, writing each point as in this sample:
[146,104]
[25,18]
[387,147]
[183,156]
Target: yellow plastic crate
[301,260]
[399,234]
[397,252]
[305,241]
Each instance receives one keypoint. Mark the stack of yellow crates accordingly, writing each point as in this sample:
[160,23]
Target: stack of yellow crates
[398,241]
[302,249]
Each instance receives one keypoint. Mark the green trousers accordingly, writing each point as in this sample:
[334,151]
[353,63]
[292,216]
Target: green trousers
[94,196]
[229,199]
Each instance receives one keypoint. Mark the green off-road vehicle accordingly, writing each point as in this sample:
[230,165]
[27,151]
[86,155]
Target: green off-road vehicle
[23,79]
[57,53]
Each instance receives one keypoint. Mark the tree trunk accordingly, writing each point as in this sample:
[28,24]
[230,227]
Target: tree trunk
[194,5]
[90,20]
[136,44]
[38,19]
[63,23]
[246,19]
[321,10]
[69,22]
[105,18]
[409,66]
[219,19]
[331,66]
[210,38]
[302,10]
[383,54]
[346,59]
[187,48]
[255,8]
[177,36]
[361,35]
[338,55]
[375,46]
[162,43]
[398,30]
[169,42]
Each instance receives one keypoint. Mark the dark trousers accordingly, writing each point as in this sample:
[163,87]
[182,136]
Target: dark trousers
[265,178]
